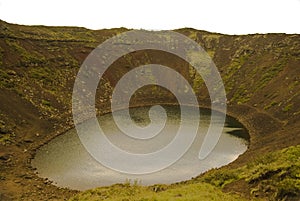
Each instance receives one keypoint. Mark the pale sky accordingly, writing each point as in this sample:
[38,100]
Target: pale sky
[223,16]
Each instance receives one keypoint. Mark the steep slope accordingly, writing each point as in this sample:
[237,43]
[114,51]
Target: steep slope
[38,66]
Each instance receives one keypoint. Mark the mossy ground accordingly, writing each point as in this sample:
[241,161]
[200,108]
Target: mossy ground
[188,192]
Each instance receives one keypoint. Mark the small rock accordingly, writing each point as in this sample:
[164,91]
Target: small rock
[46,181]
[4,130]
[4,156]
[11,72]
[27,177]
[28,140]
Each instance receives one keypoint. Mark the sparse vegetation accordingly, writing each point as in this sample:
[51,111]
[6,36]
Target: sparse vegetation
[1,56]
[120,192]
[6,133]
[27,58]
[241,95]
[275,174]
[272,104]
[271,72]
[287,107]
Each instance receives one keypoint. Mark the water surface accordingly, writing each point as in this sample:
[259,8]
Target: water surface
[65,161]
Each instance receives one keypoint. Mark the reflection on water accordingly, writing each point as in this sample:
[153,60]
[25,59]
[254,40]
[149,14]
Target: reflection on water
[65,161]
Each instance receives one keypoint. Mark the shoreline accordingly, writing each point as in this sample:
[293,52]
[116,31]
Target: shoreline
[106,111]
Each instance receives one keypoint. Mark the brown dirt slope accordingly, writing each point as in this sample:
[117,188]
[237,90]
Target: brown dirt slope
[38,66]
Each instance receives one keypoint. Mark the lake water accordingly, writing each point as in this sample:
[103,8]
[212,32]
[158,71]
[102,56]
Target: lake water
[65,161]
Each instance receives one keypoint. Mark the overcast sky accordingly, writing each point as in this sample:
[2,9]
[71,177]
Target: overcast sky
[223,16]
